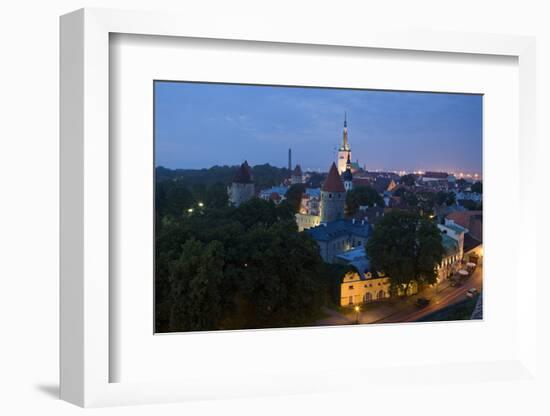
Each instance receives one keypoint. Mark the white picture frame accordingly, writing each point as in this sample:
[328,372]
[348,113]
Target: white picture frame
[86,355]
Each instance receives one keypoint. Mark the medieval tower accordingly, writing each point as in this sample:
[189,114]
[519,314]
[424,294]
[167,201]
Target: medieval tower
[296,176]
[344,151]
[242,187]
[333,197]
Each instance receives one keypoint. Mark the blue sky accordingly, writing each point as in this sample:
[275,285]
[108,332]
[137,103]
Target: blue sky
[200,125]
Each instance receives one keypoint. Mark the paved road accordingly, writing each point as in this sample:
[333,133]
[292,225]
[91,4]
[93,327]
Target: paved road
[445,297]
[405,310]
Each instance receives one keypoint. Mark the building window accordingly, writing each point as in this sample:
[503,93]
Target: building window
[350,287]
[368,297]
[350,300]
[381,295]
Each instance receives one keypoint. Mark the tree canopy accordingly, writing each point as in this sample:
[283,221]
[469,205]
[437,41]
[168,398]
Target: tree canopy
[362,195]
[294,195]
[477,188]
[409,179]
[407,247]
[235,268]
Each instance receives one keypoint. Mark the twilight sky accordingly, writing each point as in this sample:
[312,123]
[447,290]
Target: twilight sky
[201,125]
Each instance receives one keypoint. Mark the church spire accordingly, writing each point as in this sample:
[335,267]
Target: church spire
[345,144]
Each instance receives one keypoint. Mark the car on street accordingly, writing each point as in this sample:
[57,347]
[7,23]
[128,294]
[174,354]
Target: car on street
[422,302]
[471,292]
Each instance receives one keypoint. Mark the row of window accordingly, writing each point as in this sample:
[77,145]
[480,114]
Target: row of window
[350,287]
[369,298]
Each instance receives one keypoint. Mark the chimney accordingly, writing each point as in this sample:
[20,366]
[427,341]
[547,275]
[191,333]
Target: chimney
[290,160]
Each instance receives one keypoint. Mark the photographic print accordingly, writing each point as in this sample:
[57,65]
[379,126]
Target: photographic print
[283,206]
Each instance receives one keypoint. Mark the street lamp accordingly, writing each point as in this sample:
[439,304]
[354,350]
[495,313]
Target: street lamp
[201,204]
[357,309]
[190,210]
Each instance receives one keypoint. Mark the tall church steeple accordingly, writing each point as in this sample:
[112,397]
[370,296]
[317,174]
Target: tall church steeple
[345,143]
[344,151]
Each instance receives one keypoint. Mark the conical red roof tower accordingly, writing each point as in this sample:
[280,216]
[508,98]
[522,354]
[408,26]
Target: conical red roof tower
[333,183]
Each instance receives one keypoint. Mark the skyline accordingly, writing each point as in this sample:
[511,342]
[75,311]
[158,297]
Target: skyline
[199,125]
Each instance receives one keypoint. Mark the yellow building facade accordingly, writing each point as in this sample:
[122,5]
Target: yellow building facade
[356,290]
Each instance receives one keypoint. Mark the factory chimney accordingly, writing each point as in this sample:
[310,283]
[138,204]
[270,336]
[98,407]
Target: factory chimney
[289,159]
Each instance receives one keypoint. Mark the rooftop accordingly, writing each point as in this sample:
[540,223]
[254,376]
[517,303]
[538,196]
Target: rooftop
[449,244]
[438,175]
[382,184]
[470,242]
[472,220]
[244,174]
[281,190]
[456,228]
[297,171]
[333,183]
[339,228]
[313,192]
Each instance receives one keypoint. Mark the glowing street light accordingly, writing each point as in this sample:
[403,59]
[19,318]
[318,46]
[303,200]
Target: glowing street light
[357,309]
[201,204]
[190,210]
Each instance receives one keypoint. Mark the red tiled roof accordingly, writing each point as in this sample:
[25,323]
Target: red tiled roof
[472,220]
[333,183]
[244,174]
[361,182]
[440,175]
[275,196]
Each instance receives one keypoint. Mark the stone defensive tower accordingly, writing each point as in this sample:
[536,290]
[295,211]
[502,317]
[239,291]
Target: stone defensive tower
[296,176]
[333,197]
[242,187]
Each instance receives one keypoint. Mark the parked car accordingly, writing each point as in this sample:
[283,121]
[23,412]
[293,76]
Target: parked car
[422,302]
[471,292]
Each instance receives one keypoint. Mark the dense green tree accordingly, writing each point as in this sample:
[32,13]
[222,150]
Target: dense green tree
[409,179]
[316,180]
[451,198]
[196,276]
[411,200]
[471,205]
[216,196]
[362,195]
[477,188]
[443,197]
[228,268]
[294,195]
[406,247]
[172,198]
[461,183]
[259,211]
[399,192]
[264,175]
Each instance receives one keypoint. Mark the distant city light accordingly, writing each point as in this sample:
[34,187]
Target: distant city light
[190,210]
[201,204]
